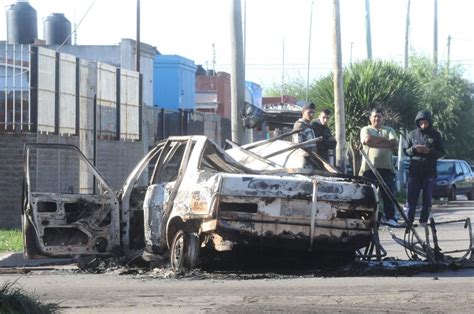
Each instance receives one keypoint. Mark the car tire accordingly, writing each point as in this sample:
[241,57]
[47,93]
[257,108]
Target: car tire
[184,250]
[470,195]
[452,194]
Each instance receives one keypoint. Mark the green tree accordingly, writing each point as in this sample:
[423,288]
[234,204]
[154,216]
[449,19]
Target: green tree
[449,97]
[296,88]
[368,84]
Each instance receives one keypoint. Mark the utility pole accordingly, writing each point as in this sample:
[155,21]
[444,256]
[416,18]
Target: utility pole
[352,46]
[449,52]
[407,33]
[367,30]
[245,32]
[282,71]
[339,114]
[137,61]
[237,72]
[435,36]
[309,49]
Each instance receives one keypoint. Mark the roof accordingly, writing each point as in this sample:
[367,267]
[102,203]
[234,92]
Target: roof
[206,98]
[278,100]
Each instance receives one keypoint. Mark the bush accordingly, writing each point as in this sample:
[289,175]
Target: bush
[14,300]
[11,240]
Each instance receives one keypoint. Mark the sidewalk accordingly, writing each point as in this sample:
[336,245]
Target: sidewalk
[16,259]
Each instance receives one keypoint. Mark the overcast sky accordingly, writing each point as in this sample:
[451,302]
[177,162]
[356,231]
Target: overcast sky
[190,28]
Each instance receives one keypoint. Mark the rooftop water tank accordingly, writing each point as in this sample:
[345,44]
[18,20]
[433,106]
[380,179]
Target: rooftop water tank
[57,29]
[22,25]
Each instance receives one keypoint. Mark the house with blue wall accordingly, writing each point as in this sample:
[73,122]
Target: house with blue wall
[174,82]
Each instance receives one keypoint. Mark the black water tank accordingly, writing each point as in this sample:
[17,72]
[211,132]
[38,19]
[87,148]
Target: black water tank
[22,27]
[57,29]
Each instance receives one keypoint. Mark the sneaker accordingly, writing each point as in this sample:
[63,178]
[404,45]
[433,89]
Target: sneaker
[401,224]
[392,222]
[424,224]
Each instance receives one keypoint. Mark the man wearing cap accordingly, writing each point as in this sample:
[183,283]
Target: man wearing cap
[304,125]
[424,147]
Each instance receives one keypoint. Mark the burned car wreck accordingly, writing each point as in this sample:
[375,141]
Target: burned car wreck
[187,194]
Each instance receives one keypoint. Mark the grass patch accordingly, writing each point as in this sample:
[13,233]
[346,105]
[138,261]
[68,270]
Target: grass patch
[11,240]
[15,300]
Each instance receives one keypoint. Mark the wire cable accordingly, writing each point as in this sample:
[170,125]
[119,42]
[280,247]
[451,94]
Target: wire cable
[77,26]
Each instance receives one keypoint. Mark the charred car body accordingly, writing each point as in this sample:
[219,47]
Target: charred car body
[270,194]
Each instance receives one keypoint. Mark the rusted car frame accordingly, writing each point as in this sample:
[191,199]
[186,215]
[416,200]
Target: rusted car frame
[187,193]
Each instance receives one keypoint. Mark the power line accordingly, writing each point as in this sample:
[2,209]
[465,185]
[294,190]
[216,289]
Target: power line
[76,26]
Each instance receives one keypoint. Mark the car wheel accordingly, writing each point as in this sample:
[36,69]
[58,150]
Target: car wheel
[452,194]
[470,195]
[184,250]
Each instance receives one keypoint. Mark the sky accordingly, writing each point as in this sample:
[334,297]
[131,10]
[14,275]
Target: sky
[276,32]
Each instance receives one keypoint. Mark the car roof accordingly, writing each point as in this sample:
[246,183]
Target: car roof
[449,160]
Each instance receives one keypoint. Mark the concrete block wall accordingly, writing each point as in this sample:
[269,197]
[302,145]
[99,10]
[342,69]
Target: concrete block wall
[11,177]
[115,160]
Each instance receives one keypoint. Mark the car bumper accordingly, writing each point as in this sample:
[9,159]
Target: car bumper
[439,191]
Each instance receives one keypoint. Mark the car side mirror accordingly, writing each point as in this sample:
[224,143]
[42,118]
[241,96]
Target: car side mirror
[459,174]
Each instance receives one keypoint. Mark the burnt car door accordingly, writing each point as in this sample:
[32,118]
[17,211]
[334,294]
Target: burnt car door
[468,179]
[164,182]
[68,209]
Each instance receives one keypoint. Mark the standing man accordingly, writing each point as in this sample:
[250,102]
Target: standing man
[303,124]
[321,129]
[425,146]
[378,142]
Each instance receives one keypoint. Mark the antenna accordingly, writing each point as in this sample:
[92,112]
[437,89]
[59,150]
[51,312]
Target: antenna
[75,33]
[75,27]
[214,58]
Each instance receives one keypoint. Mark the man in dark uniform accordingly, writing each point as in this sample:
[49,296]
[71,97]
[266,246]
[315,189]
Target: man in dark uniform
[321,129]
[425,146]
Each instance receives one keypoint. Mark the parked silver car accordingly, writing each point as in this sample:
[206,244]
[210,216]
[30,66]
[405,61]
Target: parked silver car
[454,177]
[187,193]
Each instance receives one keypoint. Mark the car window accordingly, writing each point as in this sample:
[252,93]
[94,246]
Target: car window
[458,168]
[465,168]
[215,161]
[445,168]
[171,163]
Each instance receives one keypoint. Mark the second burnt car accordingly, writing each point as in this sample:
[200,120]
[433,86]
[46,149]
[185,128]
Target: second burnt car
[186,194]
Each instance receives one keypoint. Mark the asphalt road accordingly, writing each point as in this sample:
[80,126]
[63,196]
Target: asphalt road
[391,286]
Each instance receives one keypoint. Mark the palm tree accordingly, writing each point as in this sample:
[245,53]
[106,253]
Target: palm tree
[368,84]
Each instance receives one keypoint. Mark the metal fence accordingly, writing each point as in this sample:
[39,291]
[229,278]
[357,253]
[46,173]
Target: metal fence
[49,92]
[15,77]
[164,123]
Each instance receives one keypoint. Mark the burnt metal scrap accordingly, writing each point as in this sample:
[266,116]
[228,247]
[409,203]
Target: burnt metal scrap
[188,198]
[428,247]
